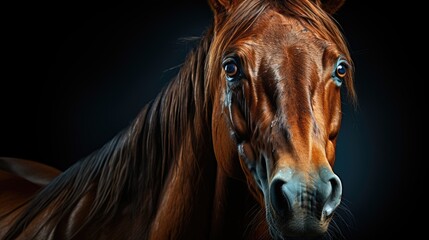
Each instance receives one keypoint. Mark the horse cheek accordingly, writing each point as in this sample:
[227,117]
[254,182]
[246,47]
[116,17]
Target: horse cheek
[225,148]
[238,123]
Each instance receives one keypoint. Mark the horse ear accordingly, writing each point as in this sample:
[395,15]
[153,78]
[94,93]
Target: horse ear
[330,6]
[220,7]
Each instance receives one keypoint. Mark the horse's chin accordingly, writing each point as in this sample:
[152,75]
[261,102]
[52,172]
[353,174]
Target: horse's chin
[296,225]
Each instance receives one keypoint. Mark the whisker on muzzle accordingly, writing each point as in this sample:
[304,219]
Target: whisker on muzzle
[343,222]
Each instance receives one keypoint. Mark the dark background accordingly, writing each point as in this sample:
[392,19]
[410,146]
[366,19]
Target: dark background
[74,75]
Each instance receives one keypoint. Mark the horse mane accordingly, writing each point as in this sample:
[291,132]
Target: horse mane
[134,166]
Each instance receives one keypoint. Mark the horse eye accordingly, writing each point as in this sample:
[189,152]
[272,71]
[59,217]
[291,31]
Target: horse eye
[231,69]
[340,72]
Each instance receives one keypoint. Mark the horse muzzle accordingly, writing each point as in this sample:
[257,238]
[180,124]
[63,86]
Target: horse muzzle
[302,204]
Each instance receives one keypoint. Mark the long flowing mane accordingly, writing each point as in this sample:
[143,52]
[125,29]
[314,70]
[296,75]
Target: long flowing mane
[133,168]
[144,153]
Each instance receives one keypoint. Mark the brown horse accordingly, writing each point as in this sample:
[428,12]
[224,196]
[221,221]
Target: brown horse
[240,144]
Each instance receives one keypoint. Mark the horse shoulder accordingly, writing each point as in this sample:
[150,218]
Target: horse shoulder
[15,192]
[75,225]
[70,226]
[20,180]
[37,173]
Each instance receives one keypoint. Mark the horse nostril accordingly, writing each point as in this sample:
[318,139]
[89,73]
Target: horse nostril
[279,197]
[334,196]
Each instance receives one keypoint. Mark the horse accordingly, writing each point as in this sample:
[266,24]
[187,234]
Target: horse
[240,144]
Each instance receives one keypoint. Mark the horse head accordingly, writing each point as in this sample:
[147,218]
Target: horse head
[278,68]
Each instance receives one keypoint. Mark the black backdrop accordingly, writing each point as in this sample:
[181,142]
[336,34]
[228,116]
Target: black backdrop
[74,75]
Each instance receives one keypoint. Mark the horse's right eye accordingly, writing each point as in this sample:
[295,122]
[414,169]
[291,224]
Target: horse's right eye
[231,68]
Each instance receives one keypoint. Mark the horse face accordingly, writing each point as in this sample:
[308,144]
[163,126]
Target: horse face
[281,103]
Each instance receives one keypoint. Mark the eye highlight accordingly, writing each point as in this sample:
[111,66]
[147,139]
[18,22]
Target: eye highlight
[231,68]
[340,71]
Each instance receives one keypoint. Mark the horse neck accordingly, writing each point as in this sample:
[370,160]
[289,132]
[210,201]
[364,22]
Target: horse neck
[159,172]
[198,199]
[177,152]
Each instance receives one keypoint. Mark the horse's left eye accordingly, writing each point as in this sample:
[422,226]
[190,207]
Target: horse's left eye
[231,69]
[340,72]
